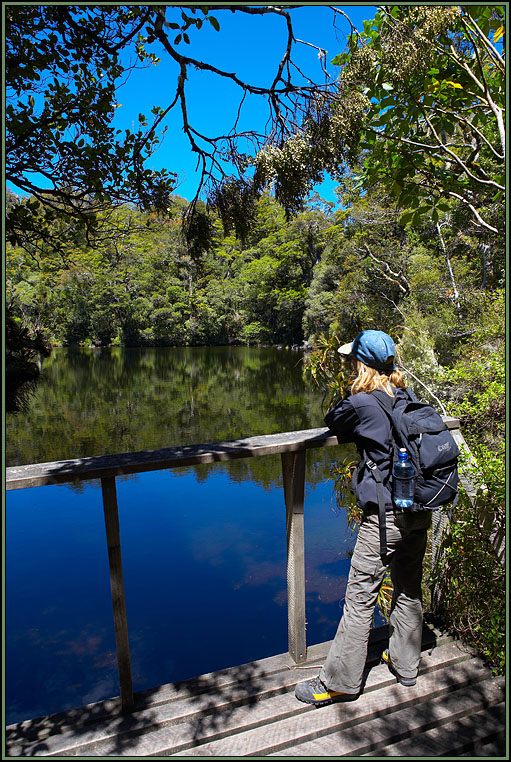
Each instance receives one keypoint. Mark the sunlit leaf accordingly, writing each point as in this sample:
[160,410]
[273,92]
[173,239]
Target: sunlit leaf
[498,34]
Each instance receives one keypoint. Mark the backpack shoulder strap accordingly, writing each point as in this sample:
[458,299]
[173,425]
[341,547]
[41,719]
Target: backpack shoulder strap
[382,521]
[383,399]
[387,404]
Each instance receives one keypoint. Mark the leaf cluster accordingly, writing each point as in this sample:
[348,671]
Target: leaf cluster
[434,129]
[64,69]
[472,585]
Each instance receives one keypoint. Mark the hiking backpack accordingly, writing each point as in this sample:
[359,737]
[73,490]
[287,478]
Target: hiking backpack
[431,448]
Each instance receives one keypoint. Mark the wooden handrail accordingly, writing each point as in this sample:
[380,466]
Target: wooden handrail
[291,445]
[98,467]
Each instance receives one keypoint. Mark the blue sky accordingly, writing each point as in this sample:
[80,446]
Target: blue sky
[250,46]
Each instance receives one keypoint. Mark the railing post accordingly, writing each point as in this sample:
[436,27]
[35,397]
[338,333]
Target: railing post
[117,588]
[293,471]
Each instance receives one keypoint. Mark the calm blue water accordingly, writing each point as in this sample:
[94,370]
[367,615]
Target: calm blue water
[204,555]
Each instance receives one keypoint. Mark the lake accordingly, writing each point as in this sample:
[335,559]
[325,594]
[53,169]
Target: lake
[203,548]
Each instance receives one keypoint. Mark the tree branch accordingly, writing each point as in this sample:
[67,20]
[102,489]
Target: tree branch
[457,159]
[497,112]
[389,274]
[473,210]
[491,48]
[111,50]
[472,128]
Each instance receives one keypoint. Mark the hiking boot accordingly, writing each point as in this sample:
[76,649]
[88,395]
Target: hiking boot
[409,681]
[315,692]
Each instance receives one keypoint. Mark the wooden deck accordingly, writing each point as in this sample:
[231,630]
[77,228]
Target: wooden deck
[455,709]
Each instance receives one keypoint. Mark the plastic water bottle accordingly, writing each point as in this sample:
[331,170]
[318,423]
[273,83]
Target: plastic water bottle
[403,481]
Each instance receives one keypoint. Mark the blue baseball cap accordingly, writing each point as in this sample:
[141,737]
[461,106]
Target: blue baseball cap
[373,348]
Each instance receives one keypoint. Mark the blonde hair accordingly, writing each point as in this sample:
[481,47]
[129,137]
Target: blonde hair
[368,379]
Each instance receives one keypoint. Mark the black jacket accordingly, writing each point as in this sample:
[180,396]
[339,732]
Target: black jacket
[360,419]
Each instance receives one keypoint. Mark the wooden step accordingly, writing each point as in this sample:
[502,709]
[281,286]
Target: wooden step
[251,709]
[430,712]
[462,735]
[494,748]
[284,735]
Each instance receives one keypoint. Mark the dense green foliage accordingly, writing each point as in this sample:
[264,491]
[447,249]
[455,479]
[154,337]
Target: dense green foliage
[443,136]
[470,577]
[146,285]
[323,271]
[421,94]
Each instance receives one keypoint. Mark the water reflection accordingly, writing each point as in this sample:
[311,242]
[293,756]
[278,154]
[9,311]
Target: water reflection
[93,402]
[204,551]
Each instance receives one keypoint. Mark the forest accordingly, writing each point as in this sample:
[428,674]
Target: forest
[412,129]
[327,270]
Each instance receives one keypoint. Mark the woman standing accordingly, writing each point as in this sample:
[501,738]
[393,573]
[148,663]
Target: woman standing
[360,419]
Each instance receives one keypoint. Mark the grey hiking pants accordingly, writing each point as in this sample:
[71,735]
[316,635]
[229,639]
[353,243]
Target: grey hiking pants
[406,543]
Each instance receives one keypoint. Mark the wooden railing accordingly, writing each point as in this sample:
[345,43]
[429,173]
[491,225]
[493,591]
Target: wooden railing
[291,446]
